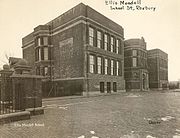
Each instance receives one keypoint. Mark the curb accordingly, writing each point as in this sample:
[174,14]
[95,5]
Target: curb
[17,116]
[62,98]
[76,97]
[21,115]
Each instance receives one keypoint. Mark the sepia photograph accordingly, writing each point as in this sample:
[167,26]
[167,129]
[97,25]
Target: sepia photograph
[89,69]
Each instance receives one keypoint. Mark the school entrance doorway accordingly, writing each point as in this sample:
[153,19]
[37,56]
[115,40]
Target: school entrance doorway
[144,82]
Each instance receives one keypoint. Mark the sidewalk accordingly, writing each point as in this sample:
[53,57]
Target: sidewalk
[101,94]
[81,96]
[62,98]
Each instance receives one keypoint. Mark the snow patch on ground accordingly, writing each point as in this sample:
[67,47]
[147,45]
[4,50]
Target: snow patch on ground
[176,136]
[149,136]
[81,136]
[92,132]
[147,119]
[131,136]
[167,118]
[51,105]
[133,95]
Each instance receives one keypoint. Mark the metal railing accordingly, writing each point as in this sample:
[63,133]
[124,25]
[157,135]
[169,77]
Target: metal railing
[6,107]
[7,100]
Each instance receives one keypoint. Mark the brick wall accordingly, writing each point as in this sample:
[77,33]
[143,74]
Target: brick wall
[158,68]
[29,55]
[27,39]
[79,10]
[68,53]
[98,17]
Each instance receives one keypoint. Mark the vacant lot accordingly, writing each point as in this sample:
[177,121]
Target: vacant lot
[127,115]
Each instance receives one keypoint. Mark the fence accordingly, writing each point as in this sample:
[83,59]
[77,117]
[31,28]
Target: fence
[7,97]
[6,107]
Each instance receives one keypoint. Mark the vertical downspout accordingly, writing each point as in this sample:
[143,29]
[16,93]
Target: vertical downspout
[86,57]
[158,71]
[50,53]
[51,50]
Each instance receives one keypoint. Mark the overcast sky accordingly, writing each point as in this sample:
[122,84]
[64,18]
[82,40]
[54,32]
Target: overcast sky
[160,28]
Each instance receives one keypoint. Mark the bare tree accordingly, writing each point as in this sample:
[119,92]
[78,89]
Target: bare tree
[5,60]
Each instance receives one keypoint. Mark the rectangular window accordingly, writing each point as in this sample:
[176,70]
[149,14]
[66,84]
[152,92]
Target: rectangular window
[99,65]
[108,87]
[49,53]
[134,62]
[134,52]
[119,68]
[117,46]
[105,41]
[99,39]
[45,53]
[42,53]
[106,66]
[45,71]
[36,54]
[102,87]
[91,36]
[39,54]
[114,87]
[39,41]
[112,44]
[112,67]
[38,71]
[45,40]
[141,54]
[91,64]
[120,47]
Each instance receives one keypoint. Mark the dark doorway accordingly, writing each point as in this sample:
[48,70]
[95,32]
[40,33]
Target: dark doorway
[144,81]
[108,87]
[164,86]
[102,87]
[114,87]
